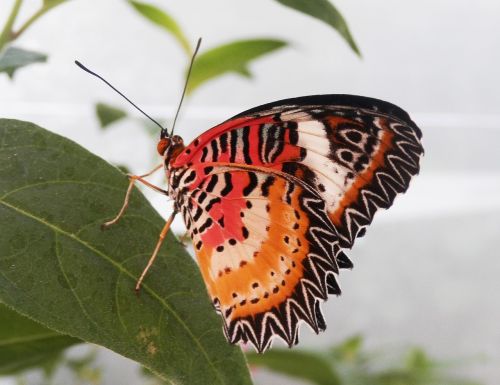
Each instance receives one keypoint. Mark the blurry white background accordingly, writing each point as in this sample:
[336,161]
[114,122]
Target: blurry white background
[428,270]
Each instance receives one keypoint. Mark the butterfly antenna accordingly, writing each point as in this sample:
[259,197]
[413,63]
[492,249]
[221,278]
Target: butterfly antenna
[186,84]
[114,88]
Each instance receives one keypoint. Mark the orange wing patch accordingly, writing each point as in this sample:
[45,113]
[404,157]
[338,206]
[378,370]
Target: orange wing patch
[270,277]
[265,284]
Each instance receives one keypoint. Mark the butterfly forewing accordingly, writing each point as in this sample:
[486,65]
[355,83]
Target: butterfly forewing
[271,195]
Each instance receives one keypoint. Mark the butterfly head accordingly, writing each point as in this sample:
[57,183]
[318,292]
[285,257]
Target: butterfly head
[170,146]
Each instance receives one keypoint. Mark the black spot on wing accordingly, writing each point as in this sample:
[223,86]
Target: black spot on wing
[233,136]
[197,214]
[354,136]
[266,185]
[211,203]
[252,184]
[203,195]
[213,182]
[293,135]
[204,153]
[190,177]
[223,143]
[206,225]
[228,184]
[215,150]
[246,145]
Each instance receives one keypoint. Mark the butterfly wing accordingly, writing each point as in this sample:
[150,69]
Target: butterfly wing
[271,195]
[266,249]
[358,153]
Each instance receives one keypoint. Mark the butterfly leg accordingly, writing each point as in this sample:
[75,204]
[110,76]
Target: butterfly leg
[132,180]
[163,234]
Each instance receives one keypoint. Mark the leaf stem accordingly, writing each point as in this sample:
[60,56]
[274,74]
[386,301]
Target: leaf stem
[45,8]
[7,34]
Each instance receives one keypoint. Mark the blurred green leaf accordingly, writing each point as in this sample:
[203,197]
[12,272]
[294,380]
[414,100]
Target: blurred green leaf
[163,20]
[233,57]
[108,114]
[325,11]
[85,368]
[348,350]
[25,344]
[53,3]
[60,269]
[348,364]
[305,365]
[14,58]
[417,359]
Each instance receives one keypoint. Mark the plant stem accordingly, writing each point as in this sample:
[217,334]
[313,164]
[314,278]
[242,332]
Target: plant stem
[7,34]
[36,16]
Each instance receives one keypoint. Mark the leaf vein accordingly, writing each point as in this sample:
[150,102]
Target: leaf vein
[124,271]
[59,262]
[57,182]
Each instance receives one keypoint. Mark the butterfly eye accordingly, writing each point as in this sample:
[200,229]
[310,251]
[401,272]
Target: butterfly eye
[162,145]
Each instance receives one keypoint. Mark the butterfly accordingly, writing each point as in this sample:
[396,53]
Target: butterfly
[272,197]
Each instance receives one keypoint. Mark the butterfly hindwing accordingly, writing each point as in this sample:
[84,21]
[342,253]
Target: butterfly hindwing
[266,250]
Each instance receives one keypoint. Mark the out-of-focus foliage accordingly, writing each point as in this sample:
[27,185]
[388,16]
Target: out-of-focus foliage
[80,370]
[305,365]
[349,364]
[232,57]
[12,58]
[162,19]
[326,12]
[107,114]
[235,57]
[25,344]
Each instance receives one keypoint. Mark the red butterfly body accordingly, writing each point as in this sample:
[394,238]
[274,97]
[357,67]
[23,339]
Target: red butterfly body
[271,197]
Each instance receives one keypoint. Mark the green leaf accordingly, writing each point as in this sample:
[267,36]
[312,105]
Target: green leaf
[85,368]
[309,366]
[27,344]
[233,57]
[108,114]
[163,20]
[14,58]
[52,3]
[326,12]
[418,360]
[348,350]
[60,269]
